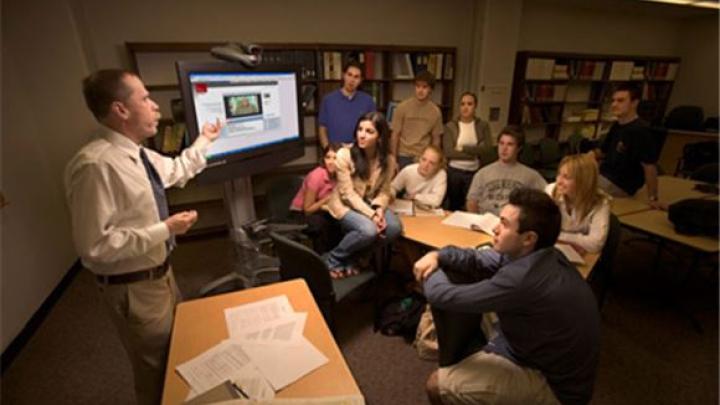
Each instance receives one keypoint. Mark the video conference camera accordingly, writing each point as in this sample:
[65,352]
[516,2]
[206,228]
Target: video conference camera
[249,55]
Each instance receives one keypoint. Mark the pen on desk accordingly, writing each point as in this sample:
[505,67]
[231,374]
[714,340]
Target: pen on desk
[240,390]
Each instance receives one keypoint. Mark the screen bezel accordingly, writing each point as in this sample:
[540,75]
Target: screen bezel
[185,68]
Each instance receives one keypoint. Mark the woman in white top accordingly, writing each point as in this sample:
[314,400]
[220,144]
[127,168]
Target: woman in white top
[424,182]
[463,139]
[585,208]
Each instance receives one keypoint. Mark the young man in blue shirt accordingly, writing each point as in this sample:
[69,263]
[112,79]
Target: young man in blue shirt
[544,349]
[341,109]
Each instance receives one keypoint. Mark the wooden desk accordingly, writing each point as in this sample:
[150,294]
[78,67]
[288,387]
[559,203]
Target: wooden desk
[656,222]
[675,142]
[429,231]
[200,324]
[625,206]
[671,190]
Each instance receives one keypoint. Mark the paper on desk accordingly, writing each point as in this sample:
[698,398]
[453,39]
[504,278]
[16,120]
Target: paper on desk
[335,400]
[402,207]
[570,253]
[226,360]
[256,386]
[288,329]
[284,364]
[485,222]
[248,316]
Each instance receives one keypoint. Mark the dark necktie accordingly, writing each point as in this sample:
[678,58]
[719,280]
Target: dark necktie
[159,194]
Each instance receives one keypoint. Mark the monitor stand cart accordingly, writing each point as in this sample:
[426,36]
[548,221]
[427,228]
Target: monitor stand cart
[251,267]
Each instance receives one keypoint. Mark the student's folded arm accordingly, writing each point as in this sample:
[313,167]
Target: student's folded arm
[434,197]
[493,294]
[449,141]
[384,196]
[594,241]
[345,185]
[453,258]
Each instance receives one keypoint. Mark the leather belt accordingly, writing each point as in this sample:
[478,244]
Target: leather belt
[152,273]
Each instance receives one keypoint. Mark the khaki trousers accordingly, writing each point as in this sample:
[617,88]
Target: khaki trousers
[143,314]
[488,378]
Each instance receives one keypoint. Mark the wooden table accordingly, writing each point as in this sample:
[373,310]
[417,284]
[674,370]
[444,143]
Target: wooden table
[200,324]
[656,222]
[429,231]
[671,190]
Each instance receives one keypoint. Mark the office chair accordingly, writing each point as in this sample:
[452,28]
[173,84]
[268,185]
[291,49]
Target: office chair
[707,173]
[550,156]
[299,261]
[488,155]
[603,270]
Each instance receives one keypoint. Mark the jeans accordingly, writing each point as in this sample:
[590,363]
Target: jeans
[360,233]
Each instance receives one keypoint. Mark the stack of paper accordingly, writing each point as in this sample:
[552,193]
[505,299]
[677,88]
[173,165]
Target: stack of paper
[266,351]
[483,222]
[402,207]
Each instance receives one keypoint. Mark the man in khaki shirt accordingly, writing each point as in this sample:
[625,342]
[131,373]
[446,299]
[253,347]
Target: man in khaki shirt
[121,226]
[416,123]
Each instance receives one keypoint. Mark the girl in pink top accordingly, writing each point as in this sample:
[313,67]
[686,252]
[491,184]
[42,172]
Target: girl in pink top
[313,195]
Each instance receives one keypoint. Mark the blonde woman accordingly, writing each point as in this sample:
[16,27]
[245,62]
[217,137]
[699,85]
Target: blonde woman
[585,208]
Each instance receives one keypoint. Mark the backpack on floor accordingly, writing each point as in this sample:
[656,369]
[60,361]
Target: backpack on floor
[400,316]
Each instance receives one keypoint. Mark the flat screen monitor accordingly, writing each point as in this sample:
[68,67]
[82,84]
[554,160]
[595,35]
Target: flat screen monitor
[260,107]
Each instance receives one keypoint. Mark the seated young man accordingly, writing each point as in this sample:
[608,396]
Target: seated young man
[424,182]
[628,155]
[492,184]
[544,350]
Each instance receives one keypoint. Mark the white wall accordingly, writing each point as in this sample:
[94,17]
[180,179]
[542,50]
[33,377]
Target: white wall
[43,123]
[561,27]
[697,81]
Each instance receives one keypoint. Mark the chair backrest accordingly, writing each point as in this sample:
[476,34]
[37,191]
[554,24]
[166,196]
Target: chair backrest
[687,117]
[527,155]
[299,261]
[574,142]
[280,193]
[603,268]
[707,173]
[695,155]
[488,155]
[550,153]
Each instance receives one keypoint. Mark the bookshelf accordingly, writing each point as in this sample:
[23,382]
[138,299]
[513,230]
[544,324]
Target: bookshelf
[388,72]
[556,95]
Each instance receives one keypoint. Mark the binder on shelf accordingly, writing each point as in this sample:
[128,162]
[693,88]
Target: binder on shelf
[539,69]
[402,66]
[621,70]
[449,67]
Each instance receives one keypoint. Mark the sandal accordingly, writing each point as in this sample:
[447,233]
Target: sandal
[351,271]
[337,273]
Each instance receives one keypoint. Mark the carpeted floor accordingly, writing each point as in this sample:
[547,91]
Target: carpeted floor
[650,353]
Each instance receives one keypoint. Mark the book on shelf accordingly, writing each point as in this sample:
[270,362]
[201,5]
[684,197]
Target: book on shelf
[373,65]
[402,67]
[578,92]
[539,69]
[332,65]
[638,73]
[420,62]
[449,67]
[435,65]
[621,70]
[560,72]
